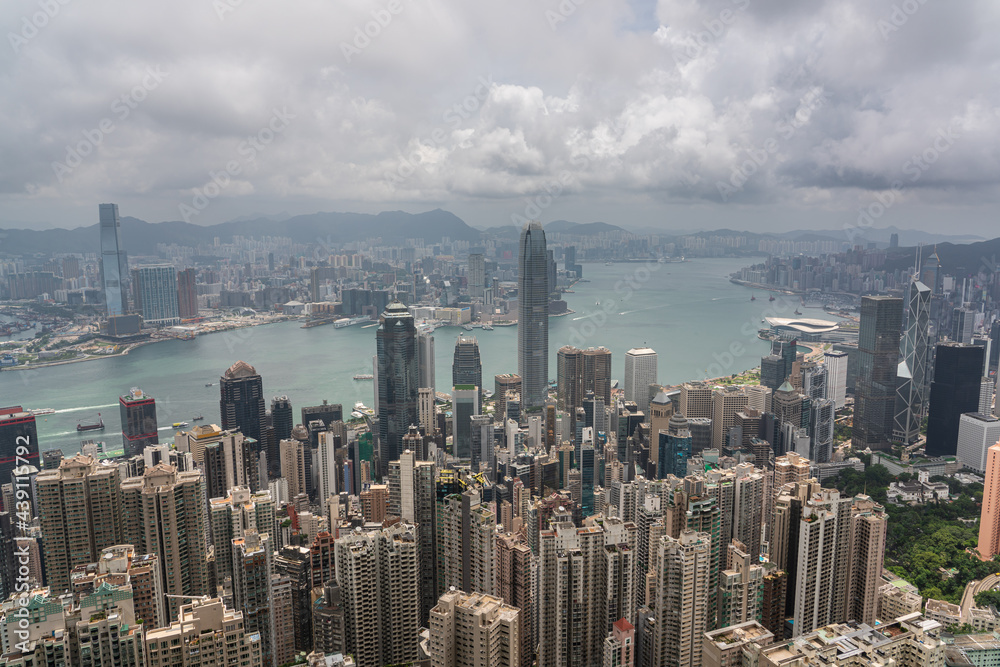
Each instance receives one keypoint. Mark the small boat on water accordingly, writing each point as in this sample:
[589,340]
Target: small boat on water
[798,312]
[91,426]
[197,418]
[179,424]
[770,298]
[208,384]
[753,297]
[364,376]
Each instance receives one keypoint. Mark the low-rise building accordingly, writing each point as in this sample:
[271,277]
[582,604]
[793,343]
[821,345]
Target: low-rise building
[943,612]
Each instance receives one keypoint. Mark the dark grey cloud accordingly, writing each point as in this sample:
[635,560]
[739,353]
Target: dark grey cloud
[619,108]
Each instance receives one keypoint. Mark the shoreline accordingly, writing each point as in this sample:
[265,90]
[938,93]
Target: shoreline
[131,346]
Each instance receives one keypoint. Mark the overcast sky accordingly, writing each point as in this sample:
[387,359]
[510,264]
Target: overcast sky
[748,114]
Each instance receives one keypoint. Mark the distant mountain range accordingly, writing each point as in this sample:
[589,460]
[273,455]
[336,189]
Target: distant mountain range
[329,229]
[336,229]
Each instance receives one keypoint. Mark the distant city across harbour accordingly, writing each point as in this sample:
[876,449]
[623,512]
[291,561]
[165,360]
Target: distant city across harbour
[701,325]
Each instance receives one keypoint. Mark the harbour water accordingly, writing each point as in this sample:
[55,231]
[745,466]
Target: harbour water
[701,325]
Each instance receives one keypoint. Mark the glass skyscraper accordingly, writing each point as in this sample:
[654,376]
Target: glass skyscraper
[958,373]
[241,403]
[533,316]
[113,263]
[138,415]
[467,366]
[396,343]
[878,361]
[911,394]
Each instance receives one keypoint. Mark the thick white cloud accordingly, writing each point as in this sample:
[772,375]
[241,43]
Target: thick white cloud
[752,113]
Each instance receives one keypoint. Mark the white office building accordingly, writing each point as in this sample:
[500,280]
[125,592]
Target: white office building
[976,433]
[640,372]
[836,380]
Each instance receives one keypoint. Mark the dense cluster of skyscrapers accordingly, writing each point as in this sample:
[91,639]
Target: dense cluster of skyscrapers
[567,523]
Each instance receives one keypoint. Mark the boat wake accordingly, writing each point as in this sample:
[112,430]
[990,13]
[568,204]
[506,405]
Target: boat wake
[86,407]
[639,310]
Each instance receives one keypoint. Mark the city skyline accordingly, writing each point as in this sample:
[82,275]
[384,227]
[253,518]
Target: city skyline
[676,527]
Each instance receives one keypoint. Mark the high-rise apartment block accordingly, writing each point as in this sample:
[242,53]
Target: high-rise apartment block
[412,497]
[989,519]
[514,576]
[164,515]
[230,518]
[205,632]
[379,583]
[252,589]
[584,579]
[155,293]
[681,603]
[79,505]
[474,630]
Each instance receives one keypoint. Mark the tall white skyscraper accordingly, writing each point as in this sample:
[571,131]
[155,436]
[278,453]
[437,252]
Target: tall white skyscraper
[328,442]
[640,372]
[986,396]
[836,381]
[113,264]
[425,360]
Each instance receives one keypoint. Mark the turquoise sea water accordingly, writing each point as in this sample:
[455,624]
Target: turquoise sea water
[700,324]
